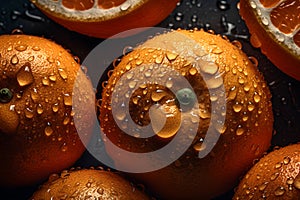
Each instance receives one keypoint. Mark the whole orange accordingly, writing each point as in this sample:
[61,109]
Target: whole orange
[38,135]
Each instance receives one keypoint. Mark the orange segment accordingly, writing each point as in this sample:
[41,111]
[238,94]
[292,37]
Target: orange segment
[78,4]
[106,4]
[286,16]
[269,3]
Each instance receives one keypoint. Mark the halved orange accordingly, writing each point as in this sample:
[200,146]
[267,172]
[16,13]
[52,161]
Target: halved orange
[104,18]
[275,28]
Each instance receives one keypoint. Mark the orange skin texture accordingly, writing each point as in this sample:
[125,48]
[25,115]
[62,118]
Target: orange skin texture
[278,169]
[29,155]
[150,13]
[191,177]
[98,184]
[278,54]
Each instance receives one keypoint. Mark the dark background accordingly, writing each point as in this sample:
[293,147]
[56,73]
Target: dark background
[219,15]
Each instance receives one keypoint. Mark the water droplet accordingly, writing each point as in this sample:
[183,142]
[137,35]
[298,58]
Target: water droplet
[14,60]
[199,146]
[139,62]
[30,58]
[241,80]
[132,84]
[214,82]
[62,73]
[21,48]
[171,56]
[278,165]
[265,21]
[169,83]
[52,78]
[223,5]
[256,98]
[36,48]
[157,95]
[237,107]
[45,81]
[48,131]
[253,4]
[68,100]
[240,130]
[290,181]
[24,75]
[64,147]
[55,107]
[193,71]
[251,107]
[274,176]
[29,113]
[297,182]
[237,44]
[125,6]
[209,68]
[263,186]
[279,191]
[286,160]
[39,109]
[66,121]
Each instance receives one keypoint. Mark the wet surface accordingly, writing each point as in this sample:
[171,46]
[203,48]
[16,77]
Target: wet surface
[218,15]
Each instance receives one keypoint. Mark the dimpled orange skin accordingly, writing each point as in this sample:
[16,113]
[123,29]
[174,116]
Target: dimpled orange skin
[37,131]
[190,177]
[88,183]
[147,14]
[275,176]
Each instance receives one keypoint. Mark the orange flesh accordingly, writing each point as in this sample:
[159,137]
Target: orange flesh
[286,16]
[297,38]
[269,3]
[106,4]
[78,4]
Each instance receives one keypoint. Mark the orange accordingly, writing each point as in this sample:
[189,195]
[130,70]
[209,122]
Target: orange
[275,28]
[275,176]
[88,184]
[105,18]
[238,119]
[37,130]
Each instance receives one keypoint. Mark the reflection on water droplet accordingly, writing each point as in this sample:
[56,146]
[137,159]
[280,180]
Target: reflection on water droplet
[21,48]
[45,81]
[67,99]
[62,73]
[29,113]
[279,191]
[157,95]
[240,130]
[64,147]
[199,146]
[237,107]
[55,107]
[125,6]
[48,131]
[66,121]
[286,160]
[36,48]
[14,60]
[223,5]
[297,182]
[39,109]
[171,56]
[24,75]
[256,98]
[52,78]
[193,71]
